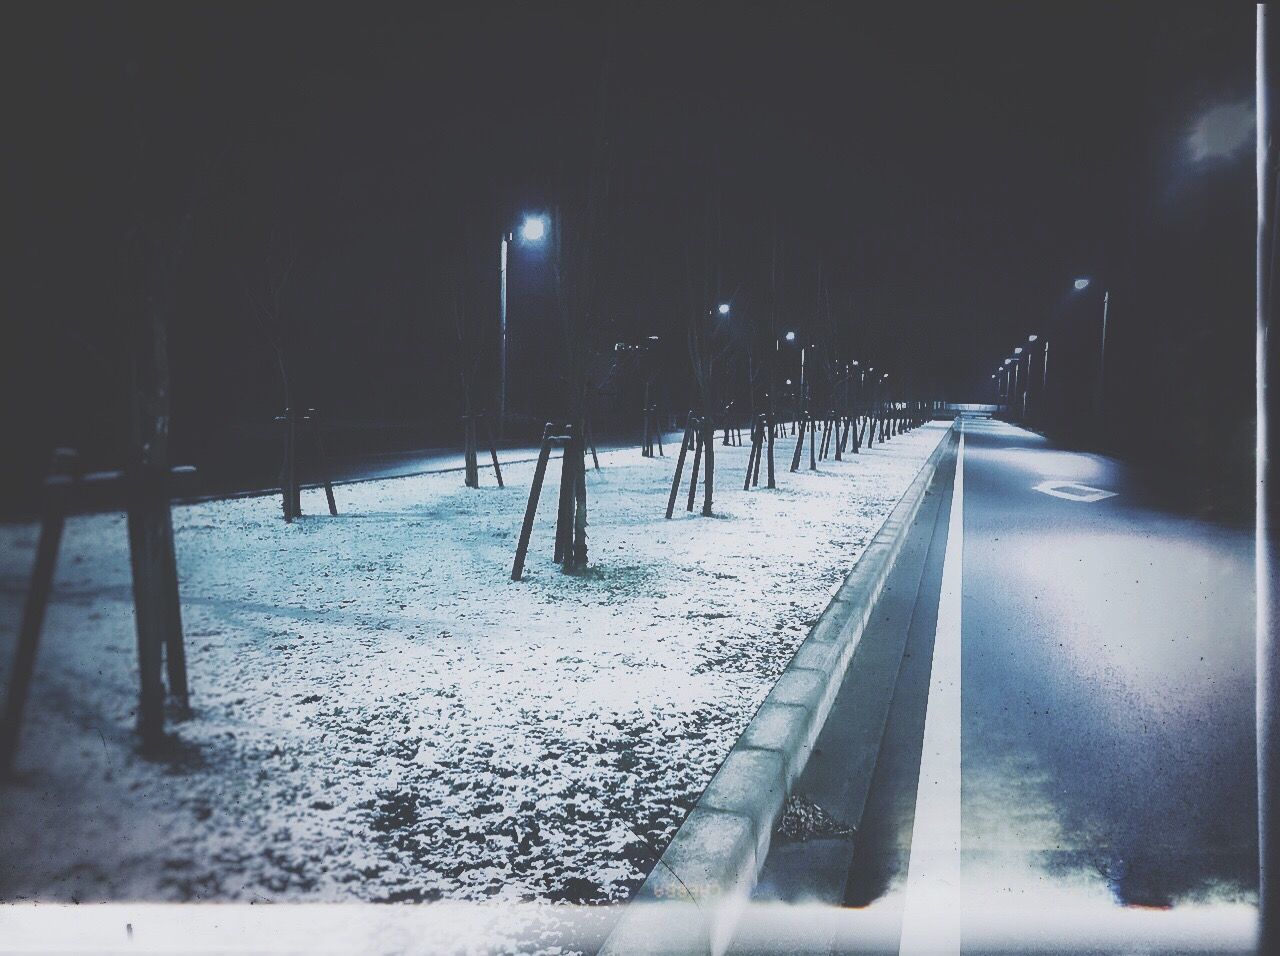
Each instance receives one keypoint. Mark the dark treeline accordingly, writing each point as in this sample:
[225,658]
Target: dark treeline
[317,198]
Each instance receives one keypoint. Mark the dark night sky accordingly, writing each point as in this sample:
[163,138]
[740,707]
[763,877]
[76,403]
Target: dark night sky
[952,169]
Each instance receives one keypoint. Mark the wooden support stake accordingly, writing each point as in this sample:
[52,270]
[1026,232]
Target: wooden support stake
[577,557]
[589,440]
[493,452]
[697,461]
[148,551]
[795,457]
[675,481]
[564,510]
[33,611]
[755,475]
[175,651]
[289,500]
[753,456]
[531,509]
[773,427]
[325,475]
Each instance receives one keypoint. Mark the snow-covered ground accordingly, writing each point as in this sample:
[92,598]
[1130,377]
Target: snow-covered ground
[381,714]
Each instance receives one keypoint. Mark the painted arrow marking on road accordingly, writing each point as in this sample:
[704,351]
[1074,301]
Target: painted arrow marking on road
[1073,491]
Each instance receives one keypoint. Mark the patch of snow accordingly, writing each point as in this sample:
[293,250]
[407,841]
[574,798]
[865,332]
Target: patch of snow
[382,715]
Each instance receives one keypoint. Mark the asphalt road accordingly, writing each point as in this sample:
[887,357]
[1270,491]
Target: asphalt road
[1095,654]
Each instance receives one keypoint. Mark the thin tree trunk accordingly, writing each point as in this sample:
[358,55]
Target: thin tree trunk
[709,482]
[580,508]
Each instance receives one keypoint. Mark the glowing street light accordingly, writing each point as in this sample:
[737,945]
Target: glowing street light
[723,308]
[534,229]
[1018,350]
[790,336]
[1032,338]
[1081,284]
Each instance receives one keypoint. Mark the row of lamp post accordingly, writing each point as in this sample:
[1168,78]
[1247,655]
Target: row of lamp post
[1012,382]
[534,230]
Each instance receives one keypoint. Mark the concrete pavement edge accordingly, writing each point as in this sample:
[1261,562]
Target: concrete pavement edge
[708,870]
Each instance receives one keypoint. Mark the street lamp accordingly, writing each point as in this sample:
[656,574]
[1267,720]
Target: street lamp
[1017,368]
[1014,367]
[1044,376]
[1102,348]
[534,229]
[723,308]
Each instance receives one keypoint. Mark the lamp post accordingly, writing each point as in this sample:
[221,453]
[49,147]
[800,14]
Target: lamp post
[1017,368]
[1018,354]
[1100,398]
[777,347]
[803,400]
[1042,406]
[534,229]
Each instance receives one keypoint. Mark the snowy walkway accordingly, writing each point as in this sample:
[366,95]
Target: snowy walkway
[381,714]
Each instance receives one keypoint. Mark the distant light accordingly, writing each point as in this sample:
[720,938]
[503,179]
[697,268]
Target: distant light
[791,337]
[534,229]
[724,308]
[993,376]
[1222,131]
[855,362]
[1008,361]
[886,374]
[1032,338]
[1018,350]
[1081,284]
[788,381]
[653,338]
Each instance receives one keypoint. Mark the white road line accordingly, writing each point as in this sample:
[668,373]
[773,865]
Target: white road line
[932,910]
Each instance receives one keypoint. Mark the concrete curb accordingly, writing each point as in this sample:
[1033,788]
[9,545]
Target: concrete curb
[712,863]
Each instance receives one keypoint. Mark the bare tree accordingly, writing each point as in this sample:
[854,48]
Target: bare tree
[468,362]
[576,230]
[710,345]
[264,289]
